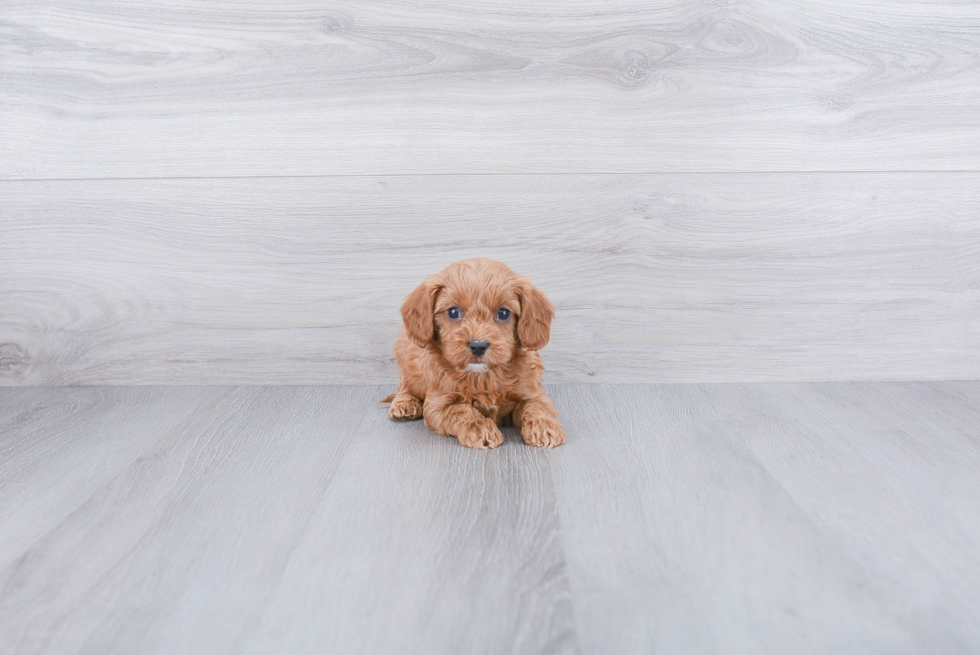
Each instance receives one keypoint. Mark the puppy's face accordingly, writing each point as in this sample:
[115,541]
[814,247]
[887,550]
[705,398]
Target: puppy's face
[479,313]
[475,321]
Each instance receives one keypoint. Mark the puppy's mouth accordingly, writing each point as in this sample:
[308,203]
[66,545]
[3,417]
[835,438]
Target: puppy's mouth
[476,367]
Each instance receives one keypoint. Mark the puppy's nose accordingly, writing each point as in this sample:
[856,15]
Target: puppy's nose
[478,347]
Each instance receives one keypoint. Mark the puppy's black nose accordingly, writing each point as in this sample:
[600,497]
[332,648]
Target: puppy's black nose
[478,347]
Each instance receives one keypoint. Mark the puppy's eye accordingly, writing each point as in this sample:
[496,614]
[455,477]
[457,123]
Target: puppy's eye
[503,314]
[453,313]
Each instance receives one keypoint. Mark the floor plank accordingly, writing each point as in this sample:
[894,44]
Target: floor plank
[241,531]
[176,551]
[111,88]
[892,476]
[65,446]
[766,518]
[696,277]
[425,547]
[735,518]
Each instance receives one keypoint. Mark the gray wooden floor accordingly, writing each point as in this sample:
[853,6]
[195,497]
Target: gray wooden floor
[750,518]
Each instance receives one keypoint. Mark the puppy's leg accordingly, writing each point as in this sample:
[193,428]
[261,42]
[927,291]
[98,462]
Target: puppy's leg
[405,407]
[448,417]
[537,419]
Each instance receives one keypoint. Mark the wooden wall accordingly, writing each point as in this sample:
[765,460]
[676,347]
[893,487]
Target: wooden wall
[204,192]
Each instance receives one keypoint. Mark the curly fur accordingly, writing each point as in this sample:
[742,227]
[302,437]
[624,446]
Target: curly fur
[457,393]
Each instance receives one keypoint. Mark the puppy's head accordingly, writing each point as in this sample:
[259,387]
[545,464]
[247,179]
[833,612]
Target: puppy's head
[479,313]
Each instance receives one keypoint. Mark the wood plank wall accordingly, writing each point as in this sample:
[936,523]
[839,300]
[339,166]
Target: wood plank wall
[211,192]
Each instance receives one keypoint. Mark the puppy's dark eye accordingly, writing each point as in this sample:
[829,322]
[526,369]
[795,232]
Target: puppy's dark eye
[503,314]
[453,313]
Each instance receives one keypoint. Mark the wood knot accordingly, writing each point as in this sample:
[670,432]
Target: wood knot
[14,360]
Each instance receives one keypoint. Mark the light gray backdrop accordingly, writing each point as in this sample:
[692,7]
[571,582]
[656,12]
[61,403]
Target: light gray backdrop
[218,193]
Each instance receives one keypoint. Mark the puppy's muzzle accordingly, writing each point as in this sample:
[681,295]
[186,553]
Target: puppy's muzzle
[478,347]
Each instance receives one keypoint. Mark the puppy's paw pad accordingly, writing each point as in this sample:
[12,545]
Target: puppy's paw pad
[405,408]
[543,432]
[484,434]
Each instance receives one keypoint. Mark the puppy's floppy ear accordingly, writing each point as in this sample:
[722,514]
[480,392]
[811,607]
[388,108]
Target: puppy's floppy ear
[534,321]
[417,311]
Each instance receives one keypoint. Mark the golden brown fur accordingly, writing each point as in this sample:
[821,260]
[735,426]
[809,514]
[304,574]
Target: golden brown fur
[433,353]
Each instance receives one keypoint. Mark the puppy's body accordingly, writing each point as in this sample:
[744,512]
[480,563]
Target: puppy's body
[467,356]
[495,392]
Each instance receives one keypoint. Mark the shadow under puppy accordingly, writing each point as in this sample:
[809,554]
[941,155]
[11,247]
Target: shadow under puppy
[467,356]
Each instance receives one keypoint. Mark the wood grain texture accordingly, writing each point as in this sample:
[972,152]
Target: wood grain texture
[179,548]
[422,546]
[289,519]
[734,518]
[172,89]
[772,518]
[700,277]
[60,448]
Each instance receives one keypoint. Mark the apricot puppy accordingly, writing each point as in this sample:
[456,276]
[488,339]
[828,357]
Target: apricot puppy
[468,356]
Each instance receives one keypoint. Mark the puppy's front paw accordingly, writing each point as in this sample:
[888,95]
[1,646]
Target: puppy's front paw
[544,432]
[405,408]
[481,434]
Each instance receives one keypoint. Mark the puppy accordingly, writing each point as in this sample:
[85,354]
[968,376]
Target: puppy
[468,356]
